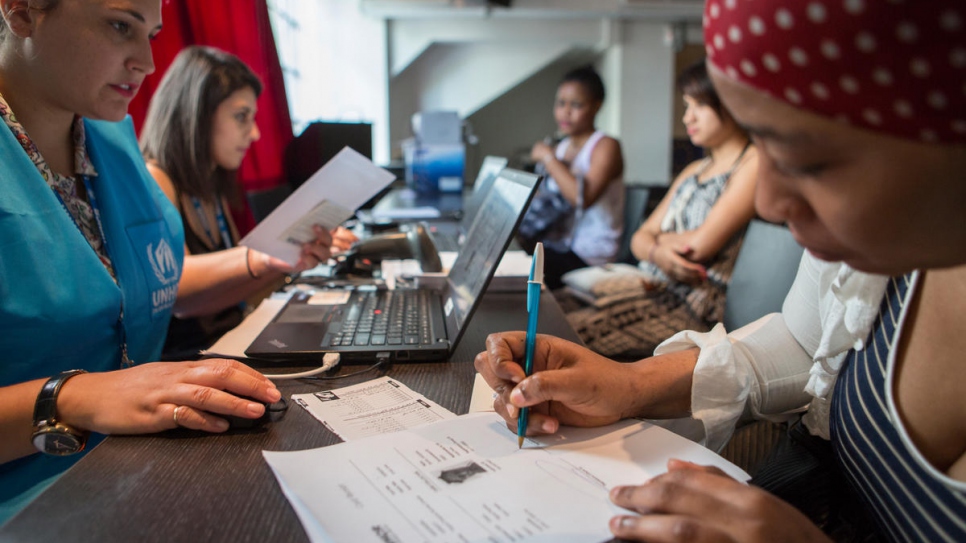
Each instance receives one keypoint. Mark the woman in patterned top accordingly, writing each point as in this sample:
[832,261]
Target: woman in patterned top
[857,109]
[686,247]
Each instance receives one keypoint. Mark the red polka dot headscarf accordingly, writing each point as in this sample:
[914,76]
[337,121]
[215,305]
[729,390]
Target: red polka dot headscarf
[892,66]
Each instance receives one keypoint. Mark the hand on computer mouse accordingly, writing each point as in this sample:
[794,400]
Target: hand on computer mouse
[273,412]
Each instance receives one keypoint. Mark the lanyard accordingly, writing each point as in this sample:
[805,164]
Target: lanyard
[222,224]
[92,200]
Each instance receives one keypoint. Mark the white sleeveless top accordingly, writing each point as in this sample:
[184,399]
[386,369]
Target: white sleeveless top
[597,231]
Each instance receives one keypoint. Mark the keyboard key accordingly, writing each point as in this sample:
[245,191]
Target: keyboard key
[361,339]
[378,339]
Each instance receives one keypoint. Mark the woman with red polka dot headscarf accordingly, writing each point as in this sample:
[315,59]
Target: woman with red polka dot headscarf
[858,111]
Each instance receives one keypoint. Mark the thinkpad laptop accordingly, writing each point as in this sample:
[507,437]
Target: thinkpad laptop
[421,323]
[449,235]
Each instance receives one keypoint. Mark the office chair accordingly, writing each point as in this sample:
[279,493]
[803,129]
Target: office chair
[639,201]
[764,271]
[263,202]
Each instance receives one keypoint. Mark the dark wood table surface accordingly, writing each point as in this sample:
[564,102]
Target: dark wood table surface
[189,486]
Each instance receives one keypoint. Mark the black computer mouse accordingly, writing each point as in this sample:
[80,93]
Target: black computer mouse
[273,412]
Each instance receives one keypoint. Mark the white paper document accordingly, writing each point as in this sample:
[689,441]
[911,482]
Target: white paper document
[464,479]
[327,198]
[375,407]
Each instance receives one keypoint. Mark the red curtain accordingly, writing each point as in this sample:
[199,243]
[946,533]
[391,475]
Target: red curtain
[241,27]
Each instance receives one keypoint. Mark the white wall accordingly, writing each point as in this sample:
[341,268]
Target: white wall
[645,86]
[499,70]
[336,66]
[506,87]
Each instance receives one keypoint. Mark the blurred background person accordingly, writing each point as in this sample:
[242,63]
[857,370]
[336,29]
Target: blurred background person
[578,211]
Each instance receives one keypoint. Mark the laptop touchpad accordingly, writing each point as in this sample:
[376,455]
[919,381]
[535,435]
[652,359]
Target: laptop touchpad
[303,313]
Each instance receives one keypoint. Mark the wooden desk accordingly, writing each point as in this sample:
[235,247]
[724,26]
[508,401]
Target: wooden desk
[190,486]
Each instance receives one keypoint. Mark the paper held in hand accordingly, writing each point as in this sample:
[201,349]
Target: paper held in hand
[328,198]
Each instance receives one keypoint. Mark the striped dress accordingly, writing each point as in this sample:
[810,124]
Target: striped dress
[908,499]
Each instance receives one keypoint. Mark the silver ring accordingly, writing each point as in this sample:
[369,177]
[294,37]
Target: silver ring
[177,408]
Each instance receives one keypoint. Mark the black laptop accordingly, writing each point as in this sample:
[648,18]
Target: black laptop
[421,323]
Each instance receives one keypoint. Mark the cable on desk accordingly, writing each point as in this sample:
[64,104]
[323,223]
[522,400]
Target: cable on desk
[381,358]
[329,361]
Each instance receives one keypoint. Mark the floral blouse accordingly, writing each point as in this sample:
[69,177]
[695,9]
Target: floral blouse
[65,187]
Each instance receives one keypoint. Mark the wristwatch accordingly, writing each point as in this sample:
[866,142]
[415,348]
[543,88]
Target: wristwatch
[51,436]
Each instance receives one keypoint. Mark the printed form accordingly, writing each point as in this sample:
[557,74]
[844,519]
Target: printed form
[328,198]
[464,479]
[374,407]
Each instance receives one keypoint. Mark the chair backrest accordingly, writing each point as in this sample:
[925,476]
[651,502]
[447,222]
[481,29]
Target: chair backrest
[764,271]
[635,209]
[263,202]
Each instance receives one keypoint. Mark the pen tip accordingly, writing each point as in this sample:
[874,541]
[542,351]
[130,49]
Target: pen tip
[520,442]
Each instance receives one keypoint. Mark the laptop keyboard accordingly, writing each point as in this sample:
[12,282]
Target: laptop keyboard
[388,317]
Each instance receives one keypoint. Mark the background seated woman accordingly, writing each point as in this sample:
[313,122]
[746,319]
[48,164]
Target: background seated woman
[687,247]
[578,212]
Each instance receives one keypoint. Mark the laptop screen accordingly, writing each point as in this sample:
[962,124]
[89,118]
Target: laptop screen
[492,166]
[487,239]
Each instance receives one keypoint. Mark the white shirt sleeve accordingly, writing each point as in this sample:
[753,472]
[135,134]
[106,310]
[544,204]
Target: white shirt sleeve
[766,369]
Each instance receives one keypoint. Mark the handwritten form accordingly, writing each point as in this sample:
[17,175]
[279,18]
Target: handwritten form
[327,198]
[464,479]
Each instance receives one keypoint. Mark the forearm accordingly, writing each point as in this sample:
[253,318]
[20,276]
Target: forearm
[660,387]
[643,243]
[215,281]
[565,180]
[16,419]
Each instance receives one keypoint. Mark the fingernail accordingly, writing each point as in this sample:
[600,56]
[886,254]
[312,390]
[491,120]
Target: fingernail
[512,410]
[255,408]
[274,394]
[221,425]
[516,396]
[548,426]
[621,524]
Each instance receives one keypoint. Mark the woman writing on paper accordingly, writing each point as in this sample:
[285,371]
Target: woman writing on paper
[858,114]
[199,126]
[686,248]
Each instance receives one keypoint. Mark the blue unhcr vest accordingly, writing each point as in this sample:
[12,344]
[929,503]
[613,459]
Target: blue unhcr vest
[59,306]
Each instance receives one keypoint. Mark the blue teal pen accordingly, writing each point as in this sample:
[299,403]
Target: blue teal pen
[533,312]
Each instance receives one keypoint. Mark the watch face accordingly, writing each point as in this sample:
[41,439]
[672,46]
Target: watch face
[57,442]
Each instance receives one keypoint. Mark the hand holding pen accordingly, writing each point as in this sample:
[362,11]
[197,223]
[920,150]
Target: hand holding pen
[534,284]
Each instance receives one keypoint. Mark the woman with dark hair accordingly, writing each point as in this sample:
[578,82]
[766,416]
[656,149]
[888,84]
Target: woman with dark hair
[200,124]
[687,247]
[857,110]
[578,212]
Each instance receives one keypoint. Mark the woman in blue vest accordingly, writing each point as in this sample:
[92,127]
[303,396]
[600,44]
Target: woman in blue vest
[91,250]
[199,126]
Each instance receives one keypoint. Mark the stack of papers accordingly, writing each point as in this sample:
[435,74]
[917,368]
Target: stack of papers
[465,479]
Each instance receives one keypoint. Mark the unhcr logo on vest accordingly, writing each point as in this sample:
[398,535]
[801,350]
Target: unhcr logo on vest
[165,267]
